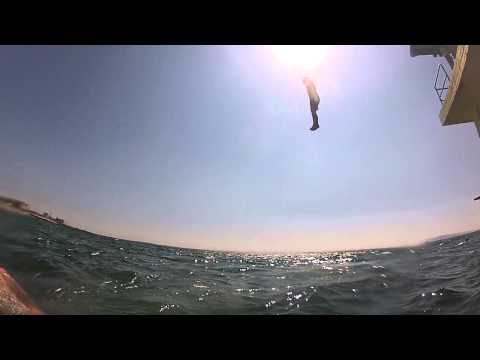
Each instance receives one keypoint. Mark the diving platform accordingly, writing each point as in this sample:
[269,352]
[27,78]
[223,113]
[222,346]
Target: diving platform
[458,89]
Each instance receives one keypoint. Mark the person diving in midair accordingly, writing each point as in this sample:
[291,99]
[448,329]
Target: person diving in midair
[314,101]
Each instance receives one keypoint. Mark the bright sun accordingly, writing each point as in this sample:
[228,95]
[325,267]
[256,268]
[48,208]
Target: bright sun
[300,57]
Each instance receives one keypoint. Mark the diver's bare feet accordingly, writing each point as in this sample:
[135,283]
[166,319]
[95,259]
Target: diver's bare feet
[13,299]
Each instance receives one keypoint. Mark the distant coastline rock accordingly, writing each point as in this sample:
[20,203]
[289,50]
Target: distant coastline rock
[21,207]
[17,204]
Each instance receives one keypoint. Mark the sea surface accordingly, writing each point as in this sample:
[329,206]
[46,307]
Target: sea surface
[68,271]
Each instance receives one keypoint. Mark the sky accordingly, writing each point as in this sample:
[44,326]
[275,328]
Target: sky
[208,146]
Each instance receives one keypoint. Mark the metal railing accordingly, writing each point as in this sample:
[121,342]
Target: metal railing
[442,75]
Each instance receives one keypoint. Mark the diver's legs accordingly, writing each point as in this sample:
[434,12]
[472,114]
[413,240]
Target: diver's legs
[315,121]
[314,109]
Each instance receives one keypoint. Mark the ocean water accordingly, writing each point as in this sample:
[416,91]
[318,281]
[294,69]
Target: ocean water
[67,271]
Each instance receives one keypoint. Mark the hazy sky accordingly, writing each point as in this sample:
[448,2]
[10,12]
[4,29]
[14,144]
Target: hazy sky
[209,147]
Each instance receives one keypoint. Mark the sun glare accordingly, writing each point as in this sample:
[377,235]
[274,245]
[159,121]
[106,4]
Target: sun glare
[300,57]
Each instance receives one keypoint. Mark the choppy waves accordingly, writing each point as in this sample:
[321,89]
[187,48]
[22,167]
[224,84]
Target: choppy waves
[74,272]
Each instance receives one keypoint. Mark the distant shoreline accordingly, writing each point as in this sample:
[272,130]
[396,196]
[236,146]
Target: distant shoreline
[38,216]
[22,208]
[11,209]
[7,208]
[4,206]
